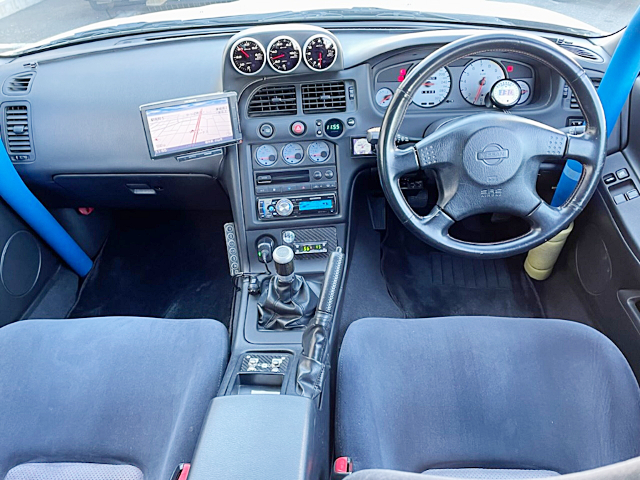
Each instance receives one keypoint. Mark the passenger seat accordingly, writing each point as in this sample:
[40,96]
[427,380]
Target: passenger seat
[110,398]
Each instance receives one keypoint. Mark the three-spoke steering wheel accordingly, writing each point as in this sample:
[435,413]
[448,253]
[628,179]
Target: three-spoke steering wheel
[489,162]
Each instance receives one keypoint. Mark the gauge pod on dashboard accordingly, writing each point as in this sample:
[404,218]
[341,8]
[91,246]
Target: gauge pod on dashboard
[283,54]
[247,56]
[320,52]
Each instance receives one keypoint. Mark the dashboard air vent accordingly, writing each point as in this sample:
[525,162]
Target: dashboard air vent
[18,84]
[274,100]
[574,102]
[17,132]
[324,97]
[583,53]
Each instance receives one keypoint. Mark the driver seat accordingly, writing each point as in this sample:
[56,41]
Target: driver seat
[484,397]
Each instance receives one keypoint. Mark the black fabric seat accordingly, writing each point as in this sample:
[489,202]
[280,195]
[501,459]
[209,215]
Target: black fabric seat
[105,398]
[484,394]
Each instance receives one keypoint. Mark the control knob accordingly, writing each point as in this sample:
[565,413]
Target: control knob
[284,207]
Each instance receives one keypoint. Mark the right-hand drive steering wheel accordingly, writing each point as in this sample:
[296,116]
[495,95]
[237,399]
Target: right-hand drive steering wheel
[489,162]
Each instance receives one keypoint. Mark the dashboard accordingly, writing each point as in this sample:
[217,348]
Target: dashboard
[302,98]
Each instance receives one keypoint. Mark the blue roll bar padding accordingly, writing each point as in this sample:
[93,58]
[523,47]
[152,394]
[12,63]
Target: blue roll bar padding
[26,205]
[614,90]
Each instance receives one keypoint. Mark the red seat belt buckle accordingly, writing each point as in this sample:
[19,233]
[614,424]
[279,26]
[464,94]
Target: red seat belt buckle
[342,467]
[182,471]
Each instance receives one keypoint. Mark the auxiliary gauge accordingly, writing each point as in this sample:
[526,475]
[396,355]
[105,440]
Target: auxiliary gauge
[320,53]
[505,93]
[247,56]
[383,97]
[284,54]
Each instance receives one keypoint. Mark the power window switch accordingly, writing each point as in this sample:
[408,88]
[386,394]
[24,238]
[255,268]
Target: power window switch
[631,194]
[609,178]
[622,174]
[620,198]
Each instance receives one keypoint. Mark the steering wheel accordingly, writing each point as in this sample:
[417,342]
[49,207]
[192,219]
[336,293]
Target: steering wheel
[489,162]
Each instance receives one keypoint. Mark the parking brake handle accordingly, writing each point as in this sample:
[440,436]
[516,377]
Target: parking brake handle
[317,334]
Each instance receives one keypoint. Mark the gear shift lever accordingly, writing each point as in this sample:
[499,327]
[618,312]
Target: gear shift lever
[286,300]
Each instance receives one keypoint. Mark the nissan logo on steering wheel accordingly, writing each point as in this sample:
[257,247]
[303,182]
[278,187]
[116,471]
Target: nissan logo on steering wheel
[492,154]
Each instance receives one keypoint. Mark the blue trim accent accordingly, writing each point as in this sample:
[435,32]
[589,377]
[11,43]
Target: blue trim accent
[26,205]
[613,91]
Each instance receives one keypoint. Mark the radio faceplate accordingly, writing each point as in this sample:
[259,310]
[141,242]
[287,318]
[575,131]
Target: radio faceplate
[278,208]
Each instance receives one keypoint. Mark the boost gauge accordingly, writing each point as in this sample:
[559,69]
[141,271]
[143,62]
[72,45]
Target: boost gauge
[320,53]
[247,56]
[477,79]
[434,91]
[284,54]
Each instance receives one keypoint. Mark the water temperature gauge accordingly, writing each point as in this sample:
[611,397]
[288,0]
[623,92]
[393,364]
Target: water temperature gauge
[383,97]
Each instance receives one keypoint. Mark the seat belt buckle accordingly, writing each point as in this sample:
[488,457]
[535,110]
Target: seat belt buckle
[181,472]
[342,467]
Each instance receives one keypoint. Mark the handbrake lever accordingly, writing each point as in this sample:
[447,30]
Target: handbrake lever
[317,334]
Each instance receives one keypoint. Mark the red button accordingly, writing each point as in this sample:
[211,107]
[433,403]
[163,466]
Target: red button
[298,128]
[342,465]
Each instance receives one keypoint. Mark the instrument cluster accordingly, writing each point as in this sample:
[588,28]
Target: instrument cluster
[479,80]
[283,54]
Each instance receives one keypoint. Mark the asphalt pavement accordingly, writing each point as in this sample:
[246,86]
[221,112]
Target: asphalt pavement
[51,17]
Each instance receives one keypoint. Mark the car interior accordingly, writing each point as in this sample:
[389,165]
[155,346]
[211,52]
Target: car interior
[307,250]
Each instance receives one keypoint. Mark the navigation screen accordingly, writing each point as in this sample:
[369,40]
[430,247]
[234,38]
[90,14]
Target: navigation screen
[180,128]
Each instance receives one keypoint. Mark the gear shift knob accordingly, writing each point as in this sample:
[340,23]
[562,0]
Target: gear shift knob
[283,259]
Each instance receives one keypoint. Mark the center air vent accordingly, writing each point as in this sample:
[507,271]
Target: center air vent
[274,100]
[17,132]
[324,97]
[574,101]
[18,84]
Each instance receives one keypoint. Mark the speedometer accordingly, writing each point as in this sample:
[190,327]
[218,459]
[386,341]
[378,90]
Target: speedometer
[320,52]
[477,79]
[434,91]
[284,54]
[247,56]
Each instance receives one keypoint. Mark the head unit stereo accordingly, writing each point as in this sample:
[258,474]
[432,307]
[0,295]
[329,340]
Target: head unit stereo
[276,208]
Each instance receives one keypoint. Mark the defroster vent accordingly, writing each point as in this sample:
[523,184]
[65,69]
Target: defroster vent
[17,132]
[19,84]
[324,97]
[273,100]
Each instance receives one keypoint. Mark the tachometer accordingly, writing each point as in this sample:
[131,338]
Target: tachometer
[434,91]
[320,53]
[284,54]
[266,155]
[477,79]
[292,153]
[319,152]
[247,56]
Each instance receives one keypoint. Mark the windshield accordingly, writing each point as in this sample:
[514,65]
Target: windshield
[34,23]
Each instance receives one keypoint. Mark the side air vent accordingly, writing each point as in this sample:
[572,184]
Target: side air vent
[17,132]
[18,84]
[574,102]
[583,53]
[274,100]
[324,97]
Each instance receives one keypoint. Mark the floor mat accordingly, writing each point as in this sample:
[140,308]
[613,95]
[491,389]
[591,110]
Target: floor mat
[161,264]
[425,282]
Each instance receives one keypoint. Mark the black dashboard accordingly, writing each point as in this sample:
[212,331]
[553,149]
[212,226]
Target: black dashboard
[306,96]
